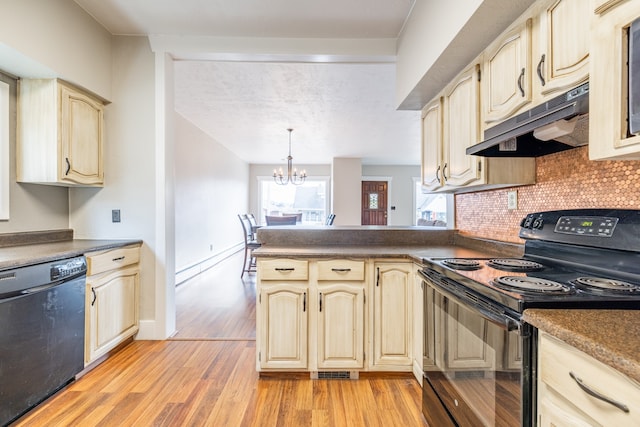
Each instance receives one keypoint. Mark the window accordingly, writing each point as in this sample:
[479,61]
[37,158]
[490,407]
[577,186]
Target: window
[4,151]
[432,209]
[309,199]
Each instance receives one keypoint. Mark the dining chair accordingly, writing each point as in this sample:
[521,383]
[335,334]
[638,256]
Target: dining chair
[281,220]
[250,243]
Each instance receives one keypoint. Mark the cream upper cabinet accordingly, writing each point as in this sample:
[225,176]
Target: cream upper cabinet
[60,134]
[507,74]
[561,47]
[392,314]
[575,389]
[461,129]
[432,145]
[609,136]
[451,124]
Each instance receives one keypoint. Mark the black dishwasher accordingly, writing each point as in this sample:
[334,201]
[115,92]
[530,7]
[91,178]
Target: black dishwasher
[42,319]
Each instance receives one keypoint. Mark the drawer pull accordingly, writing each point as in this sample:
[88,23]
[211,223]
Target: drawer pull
[598,395]
[284,269]
[341,270]
[120,258]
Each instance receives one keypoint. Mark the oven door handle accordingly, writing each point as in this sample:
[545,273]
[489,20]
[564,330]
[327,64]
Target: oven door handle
[484,309]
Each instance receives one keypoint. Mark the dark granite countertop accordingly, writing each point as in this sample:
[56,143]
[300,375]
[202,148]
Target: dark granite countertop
[610,336]
[27,254]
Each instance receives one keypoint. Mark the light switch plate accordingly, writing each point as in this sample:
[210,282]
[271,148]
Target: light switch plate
[512,200]
[115,215]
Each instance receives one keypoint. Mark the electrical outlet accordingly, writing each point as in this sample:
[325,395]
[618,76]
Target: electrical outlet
[211,247]
[512,200]
[115,215]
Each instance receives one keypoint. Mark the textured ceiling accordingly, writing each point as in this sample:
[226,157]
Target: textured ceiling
[335,109]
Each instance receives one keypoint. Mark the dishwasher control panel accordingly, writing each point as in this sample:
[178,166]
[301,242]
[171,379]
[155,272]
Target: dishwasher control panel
[67,268]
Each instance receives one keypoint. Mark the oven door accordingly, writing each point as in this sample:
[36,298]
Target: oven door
[479,372]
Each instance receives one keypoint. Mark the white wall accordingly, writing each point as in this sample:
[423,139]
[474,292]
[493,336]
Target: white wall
[32,207]
[55,38]
[346,190]
[442,37]
[212,188]
[400,190]
[130,165]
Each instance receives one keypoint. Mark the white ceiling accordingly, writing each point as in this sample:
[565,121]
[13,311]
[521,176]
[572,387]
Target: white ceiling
[335,109]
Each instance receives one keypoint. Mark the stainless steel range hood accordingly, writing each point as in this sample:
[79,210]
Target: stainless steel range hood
[559,124]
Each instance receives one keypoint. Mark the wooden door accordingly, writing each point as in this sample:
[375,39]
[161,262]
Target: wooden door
[374,202]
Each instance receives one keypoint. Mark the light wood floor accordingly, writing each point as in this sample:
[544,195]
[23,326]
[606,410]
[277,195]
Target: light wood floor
[205,376]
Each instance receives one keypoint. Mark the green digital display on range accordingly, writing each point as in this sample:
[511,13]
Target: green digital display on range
[586,223]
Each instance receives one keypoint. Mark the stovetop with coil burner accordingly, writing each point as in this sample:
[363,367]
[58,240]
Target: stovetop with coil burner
[572,258]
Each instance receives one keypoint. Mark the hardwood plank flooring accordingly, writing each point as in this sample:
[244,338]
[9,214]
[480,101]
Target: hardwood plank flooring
[205,376]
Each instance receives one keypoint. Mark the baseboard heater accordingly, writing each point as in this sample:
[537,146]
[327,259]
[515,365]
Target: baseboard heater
[335,375]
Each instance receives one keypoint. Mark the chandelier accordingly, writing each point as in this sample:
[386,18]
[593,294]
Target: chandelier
[293,176]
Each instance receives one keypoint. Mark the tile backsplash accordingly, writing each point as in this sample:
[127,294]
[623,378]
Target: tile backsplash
[566,180]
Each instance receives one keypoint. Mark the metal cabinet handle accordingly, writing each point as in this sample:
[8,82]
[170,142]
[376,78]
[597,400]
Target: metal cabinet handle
[341,270]
[539,70]
[120,258]
[68,166]
[520,83]
[320,302]
[444,172]
[284,269]
[304,302]
[378,276]
[438,174]
[93,291]
[598,395]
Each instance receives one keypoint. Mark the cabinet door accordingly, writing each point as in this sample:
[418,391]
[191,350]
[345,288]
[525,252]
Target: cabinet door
[432,145]
[608,127]
[392,314]
[112,301]
[283,333]
[466,337]
[507,74]
[461,129]
[81,135]
[340,326]
[563,47]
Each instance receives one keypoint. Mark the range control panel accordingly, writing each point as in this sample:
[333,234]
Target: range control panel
[603,228]
[590,226]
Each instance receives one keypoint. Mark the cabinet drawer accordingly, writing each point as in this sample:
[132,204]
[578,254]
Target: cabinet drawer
[559,360]
[99,262]
[283,269]
[340,269]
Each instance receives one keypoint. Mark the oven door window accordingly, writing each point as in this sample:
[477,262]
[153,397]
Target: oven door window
[477,372]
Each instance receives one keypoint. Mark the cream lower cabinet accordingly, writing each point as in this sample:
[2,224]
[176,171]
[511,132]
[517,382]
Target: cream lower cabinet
[575,389]
[59,134]
[282,311]
[113,281]
[392,316]
[284,317]
[340,291]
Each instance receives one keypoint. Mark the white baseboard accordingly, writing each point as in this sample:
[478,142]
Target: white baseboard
[198,267]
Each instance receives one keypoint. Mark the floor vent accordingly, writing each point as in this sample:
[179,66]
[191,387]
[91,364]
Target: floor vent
[334,375]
